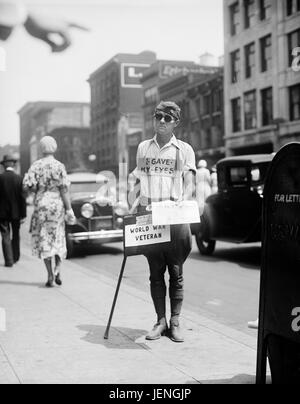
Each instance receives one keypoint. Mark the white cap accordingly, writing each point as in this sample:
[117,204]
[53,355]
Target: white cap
[12,13]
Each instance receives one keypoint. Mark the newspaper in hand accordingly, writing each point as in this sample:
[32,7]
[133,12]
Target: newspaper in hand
[170,213]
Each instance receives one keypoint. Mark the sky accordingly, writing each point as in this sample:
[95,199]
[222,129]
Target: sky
[174,29]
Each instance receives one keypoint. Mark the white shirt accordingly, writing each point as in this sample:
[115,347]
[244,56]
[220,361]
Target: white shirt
[161,170]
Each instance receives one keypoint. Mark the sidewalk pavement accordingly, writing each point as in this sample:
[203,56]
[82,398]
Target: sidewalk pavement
[56,335]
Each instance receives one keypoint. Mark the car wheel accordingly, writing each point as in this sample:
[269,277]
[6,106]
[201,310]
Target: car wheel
[206,247]
[70,247]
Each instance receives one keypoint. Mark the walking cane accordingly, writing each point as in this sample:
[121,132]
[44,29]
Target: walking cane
[106,335]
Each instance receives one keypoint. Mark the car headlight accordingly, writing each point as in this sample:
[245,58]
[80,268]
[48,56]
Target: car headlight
[87,210]
[121,209]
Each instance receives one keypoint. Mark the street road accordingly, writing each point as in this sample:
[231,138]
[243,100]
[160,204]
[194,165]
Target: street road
[224,287]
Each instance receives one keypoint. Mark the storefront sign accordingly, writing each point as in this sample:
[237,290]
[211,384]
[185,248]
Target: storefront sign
[170,70]
[131,74]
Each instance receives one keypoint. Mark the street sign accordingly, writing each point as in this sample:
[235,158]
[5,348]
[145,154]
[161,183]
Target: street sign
[279,326]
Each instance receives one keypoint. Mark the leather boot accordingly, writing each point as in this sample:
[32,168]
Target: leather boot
[158,330]
[176,334]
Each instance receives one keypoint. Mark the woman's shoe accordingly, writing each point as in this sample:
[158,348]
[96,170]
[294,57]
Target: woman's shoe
[49,284]
[58,281]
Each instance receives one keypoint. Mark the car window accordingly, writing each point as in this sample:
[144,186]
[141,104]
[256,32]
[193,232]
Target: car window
[259,172]
[255,174]
[238,176]
[84,187]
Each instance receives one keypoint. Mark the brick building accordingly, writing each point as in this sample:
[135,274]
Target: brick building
[206,117]
[116,107]
[200,96]
[262,87]
[153,77]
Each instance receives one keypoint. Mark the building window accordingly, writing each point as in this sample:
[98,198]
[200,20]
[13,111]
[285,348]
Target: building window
[250,110]
[293,42]
[265,9]
[234,18]
[206,104]
[289,7]
[250,59]
[206,138]
[235,66]
[295,102]
[236,115]
[266,53]
[249,12]
[292,7]
[217,100]
[267,106]
[151,95]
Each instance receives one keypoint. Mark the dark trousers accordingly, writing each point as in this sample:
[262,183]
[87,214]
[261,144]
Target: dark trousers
[10,232]
[172,258]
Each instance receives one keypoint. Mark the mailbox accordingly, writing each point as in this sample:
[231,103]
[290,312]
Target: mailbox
[279,325]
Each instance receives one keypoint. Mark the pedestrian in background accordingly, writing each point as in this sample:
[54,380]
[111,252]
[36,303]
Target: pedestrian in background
[166,168]
[203,184]
[47,179]
[12,211]
[214,180]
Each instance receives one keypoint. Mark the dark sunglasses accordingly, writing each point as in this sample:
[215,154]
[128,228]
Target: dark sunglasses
[168,118]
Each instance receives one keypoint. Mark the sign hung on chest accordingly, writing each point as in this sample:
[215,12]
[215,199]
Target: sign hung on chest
[142,237]
[158,166]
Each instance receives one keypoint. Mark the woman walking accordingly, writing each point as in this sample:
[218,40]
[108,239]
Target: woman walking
[203,184]
[47,180]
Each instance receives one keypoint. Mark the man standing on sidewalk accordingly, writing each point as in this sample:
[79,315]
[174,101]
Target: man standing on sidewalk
[12,211]
[166,168]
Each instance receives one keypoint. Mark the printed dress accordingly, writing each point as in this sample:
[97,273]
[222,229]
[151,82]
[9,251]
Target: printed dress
[46,178]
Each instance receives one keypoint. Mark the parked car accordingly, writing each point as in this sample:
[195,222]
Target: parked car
[99,218]
[234,213]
